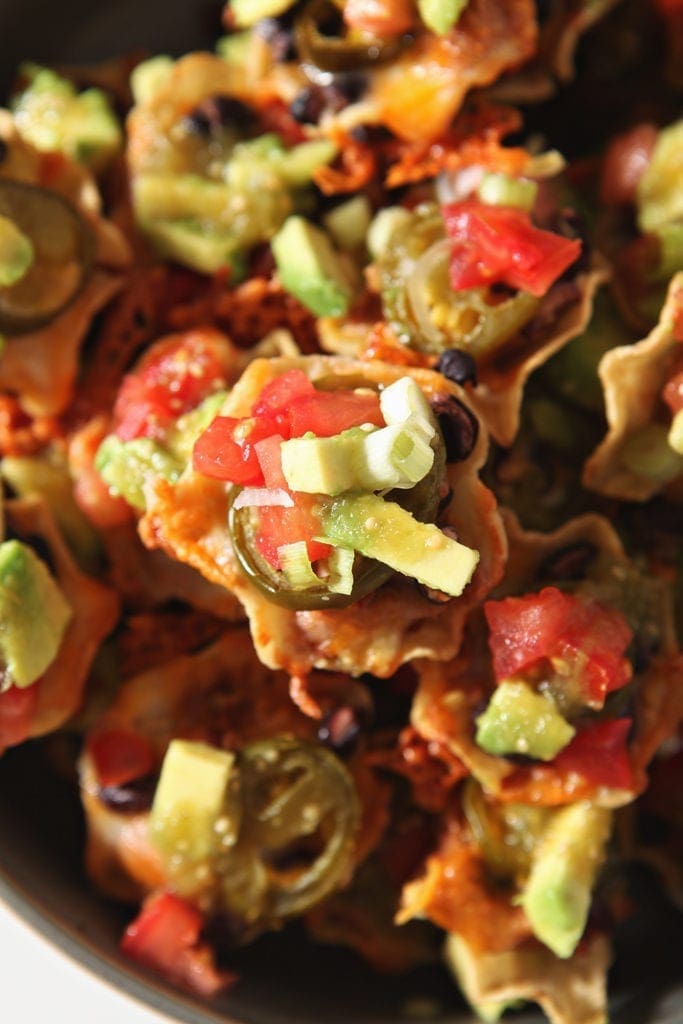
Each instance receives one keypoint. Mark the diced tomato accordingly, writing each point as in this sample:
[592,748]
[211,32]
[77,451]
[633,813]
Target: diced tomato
[166,937]
[173,377]
[585,639]
[278,395]
[500,244]
[120,756]
[279,526]
[380,17]
[599,754]
[227,449]
[269,455]
[326,413]
[17,711]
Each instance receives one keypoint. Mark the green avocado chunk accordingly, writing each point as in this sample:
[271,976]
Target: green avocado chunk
[52,115]
[127,466]
[189,798]
[34,614]
[16,253]
[520,721]
[248,12]
[557,895]
[384,531]
[441,15]
[310,269]
[357,460]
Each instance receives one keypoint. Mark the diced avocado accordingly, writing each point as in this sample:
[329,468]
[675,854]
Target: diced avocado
[189,799]
[51,479]
[647,453]
[148,76]
[248,12]
[670,250]
[16,253]
[675,437]
[52,115]
[659,194]
[34,613]
[127,466]
[196,246]
[441,15]
[557,895]
[384,531]
[520,721]
[348,223]
[207,224]
[310,269]
[182,435]
[235,48]
[297,165]
[358,459]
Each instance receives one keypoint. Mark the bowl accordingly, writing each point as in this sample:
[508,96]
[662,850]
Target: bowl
[284,979]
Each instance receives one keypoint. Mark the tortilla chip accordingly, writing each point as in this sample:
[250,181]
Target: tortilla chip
[633,377]
[148,579]
[455,893]
[569,991]
[449,697]
[389,627]
[553,65]
[40,368]
[418,94]
[95,611]
[500,381]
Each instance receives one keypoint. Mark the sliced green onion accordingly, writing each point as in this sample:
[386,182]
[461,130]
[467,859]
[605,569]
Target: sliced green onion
[340,565]
[504,190]
[296,566]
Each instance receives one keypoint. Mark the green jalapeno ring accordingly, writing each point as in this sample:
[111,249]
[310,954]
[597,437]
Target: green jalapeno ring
[64,248]
[339,53]
[295,792]
[422,500]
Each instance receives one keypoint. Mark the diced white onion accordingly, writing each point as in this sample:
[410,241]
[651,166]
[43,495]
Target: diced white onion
[258,497]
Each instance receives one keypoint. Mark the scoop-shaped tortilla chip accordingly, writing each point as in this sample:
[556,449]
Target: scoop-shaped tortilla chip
[569,991]
[633,377]
[40,367]
[497,396]
[94,613]
[587,552]
[221,694]
[392,625]
[501,380]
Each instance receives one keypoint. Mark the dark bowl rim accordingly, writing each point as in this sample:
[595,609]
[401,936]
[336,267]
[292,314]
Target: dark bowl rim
[66,938]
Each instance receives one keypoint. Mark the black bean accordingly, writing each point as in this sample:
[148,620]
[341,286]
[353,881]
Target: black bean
[218,112]
[458,366]
[569,563]
[459,426]
[340,728]
[131,797]
[3,150]
[308,105]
